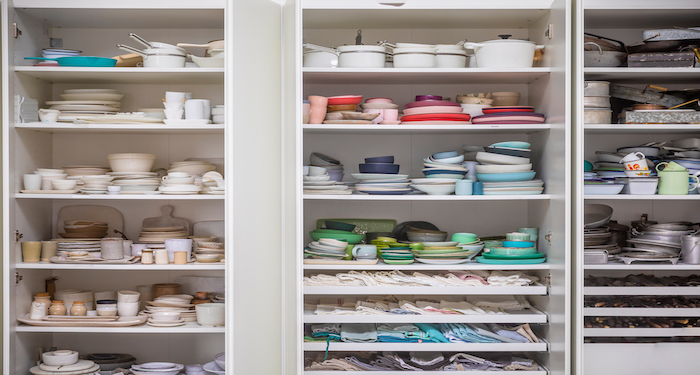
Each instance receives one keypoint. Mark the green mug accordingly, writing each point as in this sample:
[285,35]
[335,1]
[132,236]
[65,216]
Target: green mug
[676,182]
[670,166]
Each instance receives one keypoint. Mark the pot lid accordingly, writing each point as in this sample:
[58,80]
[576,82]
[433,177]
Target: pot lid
[414,50]
[504,39]
[362,48]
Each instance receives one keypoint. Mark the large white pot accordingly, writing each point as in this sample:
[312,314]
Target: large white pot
[451,58]
[361,56]
[504,53]
[320,59]
[408,57]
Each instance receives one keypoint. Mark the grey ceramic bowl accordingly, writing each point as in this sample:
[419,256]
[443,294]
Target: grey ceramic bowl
[415,236]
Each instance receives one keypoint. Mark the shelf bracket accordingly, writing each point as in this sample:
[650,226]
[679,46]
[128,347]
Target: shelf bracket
[18,278]
[549,33]
[16,31]
[548,237]
[18,236]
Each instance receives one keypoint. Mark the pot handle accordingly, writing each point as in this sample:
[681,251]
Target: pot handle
[140,40]
[131,49]
[697,181]
[600,49]
[193,45]
[660,164]
[320,48]
[474,46]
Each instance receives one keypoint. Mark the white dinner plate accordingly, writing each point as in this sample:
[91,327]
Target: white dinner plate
[379,176]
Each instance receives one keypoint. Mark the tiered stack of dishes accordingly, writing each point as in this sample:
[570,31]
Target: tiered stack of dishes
[433,110]
[157,235]
[333,166]
[599,240]
[218,366]
[179,183]
[76,249]
[64,362]
[212,183]
[192,167]
[209,251]
[344,235]
[49,176]
[443,252]
[385,107]
[379,176]
[393,252]
[136,182]
[608,177]
[517,249]
[326,248]
[509,115]
[657,242]
[506,170]
[96,184]
[86,103]
[473,104]
[317,180]
[170,310]
[444,165]
[85,229]
[76,172]
[343,110]
[157,368]
[595,218]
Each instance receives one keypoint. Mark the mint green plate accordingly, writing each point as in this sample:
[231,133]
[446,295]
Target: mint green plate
[508,261]
[521,256]
[398,262]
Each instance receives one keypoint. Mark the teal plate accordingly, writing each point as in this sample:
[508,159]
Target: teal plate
[509,261]
[398,262]
[512,144]
[523,256]
[505,177]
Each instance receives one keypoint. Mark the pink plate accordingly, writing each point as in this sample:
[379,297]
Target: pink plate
[379,100]
[432,103]
[435,109]
[510,119]
[505,122]
[345,99]
[436,123]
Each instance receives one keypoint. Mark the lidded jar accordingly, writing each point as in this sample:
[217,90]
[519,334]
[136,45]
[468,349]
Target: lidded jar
[57,308]
[45,299]
[78,308]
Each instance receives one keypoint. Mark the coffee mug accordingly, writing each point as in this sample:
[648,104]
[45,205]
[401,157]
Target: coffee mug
[676,182]
[180,257]
[364,251]
[633,157]
[194,110]
[637,165]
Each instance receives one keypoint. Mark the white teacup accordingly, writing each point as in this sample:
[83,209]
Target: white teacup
[49,115]
[174,96]
[128,308]
[173,114]
[633,156]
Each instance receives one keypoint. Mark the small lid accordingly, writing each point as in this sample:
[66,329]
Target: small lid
[78,302]
[414,50]
[41,295]
[146,251]
[106,301]
[57,301]
[362,48]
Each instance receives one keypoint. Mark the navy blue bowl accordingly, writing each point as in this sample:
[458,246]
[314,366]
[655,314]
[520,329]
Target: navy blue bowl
[379,168]
[380,160]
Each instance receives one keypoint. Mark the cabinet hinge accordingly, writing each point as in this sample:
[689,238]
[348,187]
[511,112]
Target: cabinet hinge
[16,31]
[548,280]
[548,237]
[549,33]
[18,278]
[18,236]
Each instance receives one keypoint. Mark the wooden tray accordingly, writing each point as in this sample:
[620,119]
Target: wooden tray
[122,322]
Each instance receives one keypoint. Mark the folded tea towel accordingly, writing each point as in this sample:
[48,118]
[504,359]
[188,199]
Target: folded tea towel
[463,307]
[477,275]
[364,332]
[502,302]
[329,280]
[503,278]
[360,362]
[426,358]
[452,279]
[459,332]
[432,331]
[503,331]
[484,330]
[334,364]
[406,359]
[327,327]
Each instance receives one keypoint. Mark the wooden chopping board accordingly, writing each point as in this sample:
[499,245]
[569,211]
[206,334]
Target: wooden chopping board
[107,214]
[166,220]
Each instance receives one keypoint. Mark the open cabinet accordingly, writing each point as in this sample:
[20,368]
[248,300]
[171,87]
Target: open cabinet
[603,345]
[545,86]
[248,132]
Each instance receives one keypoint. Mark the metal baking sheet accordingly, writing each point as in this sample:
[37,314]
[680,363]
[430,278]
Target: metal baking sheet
[690,33]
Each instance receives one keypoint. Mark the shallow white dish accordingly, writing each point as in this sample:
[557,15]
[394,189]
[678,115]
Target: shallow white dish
[603,189]
[187,122]
[214,368]
[490,158]
[442,189]
[378,176]
[495,168]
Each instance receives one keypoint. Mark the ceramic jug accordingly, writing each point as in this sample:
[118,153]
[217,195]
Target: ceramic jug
[676,182]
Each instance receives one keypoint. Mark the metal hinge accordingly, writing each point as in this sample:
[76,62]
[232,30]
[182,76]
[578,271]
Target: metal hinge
[548,237]
[17,32]
[18,236]
[549,33]
[548,280]
[18,278]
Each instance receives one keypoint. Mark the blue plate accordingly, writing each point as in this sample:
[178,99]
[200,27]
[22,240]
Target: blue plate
[512,144]
[505,177]
[388,192]
[445,154]
[442,171]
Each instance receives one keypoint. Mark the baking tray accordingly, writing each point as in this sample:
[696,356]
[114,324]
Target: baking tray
[690,33]
[661,60]
[363,226]
[646,95]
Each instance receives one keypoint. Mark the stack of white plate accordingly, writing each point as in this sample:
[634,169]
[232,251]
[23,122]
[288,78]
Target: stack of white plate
[96,184]
[160,234]
[323,184]
[193,167]
[86,102]
[157,368]
[210,183]
[382,184]
[212,248]
[434,186]
[79,248]
[136,182]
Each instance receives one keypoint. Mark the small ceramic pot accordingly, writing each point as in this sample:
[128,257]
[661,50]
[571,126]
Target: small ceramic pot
[31,251]
[112,248]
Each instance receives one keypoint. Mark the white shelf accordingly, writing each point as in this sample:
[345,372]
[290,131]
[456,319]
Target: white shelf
[646,75]
[427,267]
[423,128]
[641,311]
[643,266]
[524,316]
[162,197]
[122,267]
[189,327]
[641,128]
[68,128]
[641,291]
[435,76]
[641,332]
[536,289]
[124,75]
[426,347]
[425,197]
[538,372]
[127,14]
[655,197]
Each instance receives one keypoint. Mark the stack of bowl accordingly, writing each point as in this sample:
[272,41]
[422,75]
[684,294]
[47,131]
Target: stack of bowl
[379,175]
[209,251]
[131,162]
[96,184]
[516,249]
[432,109]
[385,107]
[506,170]
[84,229]
[393,252]
[64,362]
[318,181]
[447,164]
[473,104]
[327,248]
[334,168]
[49,175]
[434,186]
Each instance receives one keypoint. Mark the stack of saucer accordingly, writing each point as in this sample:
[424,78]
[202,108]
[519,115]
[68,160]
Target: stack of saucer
[326,248]
[157,368]
[179,183]
[96,184]
[136,182]
[86,103]
[207,250]
[446,164]
[160,234]
[318,181]
[74,249]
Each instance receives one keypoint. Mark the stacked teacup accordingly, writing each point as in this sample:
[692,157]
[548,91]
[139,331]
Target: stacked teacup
[128,303]
[179,183]
[174,103]
[47,178]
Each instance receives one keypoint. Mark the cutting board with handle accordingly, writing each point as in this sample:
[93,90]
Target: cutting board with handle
[166,220]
